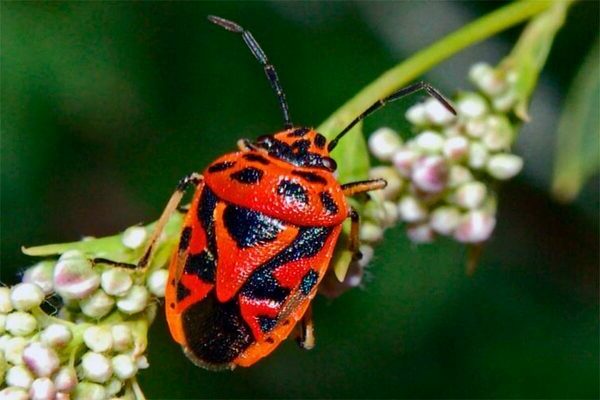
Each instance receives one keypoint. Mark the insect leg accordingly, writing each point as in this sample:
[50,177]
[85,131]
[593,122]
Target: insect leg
[191,179]
[100,260]
[306,337]
[352,188]
[354,241]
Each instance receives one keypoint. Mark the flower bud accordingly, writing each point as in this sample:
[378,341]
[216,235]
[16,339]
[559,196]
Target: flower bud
[383,143]
[112,387]
[403,160]
[429,142]
[5,303]
[56,335]
[65,379]
[478,155]
[487,80]
[13,393]
[74,276]
[504,166]
[116,281]
[456,148]
[89,391]
[437,113]
[417,114]
[97,305]
[499,133]
[430,174]
[122,337]
[411,210]
[134,301]
[478,71]
[2,323]
[134,237]
[124,366]
[41,274]
[391,215]
[62,396]
[505,101]
[20,323]
[444,219]
[41,360]
[25,296]
[370,233]
[459,175]
[42,389]
[13,350]
[96,367]
[19,376]
[394,182]
[157,281]
[420,233]
[475,128]
[142,362]
[470,195]
[98,338]
[472,106]
[475,227]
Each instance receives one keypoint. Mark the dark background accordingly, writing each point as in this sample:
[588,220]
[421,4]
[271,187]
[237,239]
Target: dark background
[106,105]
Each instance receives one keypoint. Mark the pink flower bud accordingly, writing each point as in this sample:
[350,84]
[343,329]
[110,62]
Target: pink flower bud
[74,277]
[41,275]
[475,227]
[430,174]
[41,360]
[456,148]
[403,160]
[65,379]
[420,233]
[42,389]
[470,195]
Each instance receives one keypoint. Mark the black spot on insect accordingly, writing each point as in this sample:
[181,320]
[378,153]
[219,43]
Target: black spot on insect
[266,323]
[249,228]
[257,158]
[328,203]
[172,305]
[222,166]
[270,340]
[292,191]
[298,132]
[208,202]
[262,285]
[320,141]
[182,292]
[301,146]
[308,282]
[215,332]
[184,240]
[248,175]
[311,177]
[202,265]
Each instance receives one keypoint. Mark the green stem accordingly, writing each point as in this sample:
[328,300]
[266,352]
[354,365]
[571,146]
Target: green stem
[418,64]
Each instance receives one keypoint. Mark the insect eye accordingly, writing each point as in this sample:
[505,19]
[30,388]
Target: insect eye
[265,141]
[329,163]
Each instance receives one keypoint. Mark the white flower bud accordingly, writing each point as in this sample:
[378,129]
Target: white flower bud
[417,115]
[370,232]
[476,128]
[403,160]
[383,143]
[487,80]
[65,379]
[437,112]
[19,376]
[472,106]
[478,155]
[20,323]
[62,396]
[124,366]
[89,391]
[459,175]
[96,367]
[456,148]
[116,281]
[25,296]
[98,338]
[42,389]
[444,220]
[470,195]
[475,227]
[394,182]
[56,335]
[499,133]
[5,303]
[74,276]
[505,101]
[134,237]
[411,210]
[429,142]
[142,362]
[479,70]
[41,360]
[504,166]
[14,393]
[112,387]
[157,282]
[3,342]
[391,214]
[13,350]
[430,174]
[97,305]
[41,274]
[2,323]
[420,233]
[134,301]
[122,337]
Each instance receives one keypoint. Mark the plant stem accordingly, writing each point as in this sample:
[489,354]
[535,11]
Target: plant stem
[416,65]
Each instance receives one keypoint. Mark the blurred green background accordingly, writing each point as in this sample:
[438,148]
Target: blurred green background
[105,105]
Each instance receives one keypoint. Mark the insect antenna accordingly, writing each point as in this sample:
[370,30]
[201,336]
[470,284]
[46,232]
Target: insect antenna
[260,55]
[408,90]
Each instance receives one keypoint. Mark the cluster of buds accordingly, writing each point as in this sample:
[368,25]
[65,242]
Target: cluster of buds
[440,181]
[95,345]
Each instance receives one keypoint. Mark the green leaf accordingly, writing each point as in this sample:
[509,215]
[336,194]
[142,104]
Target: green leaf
[577,144]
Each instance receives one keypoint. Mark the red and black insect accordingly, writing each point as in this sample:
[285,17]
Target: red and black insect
[258,237]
